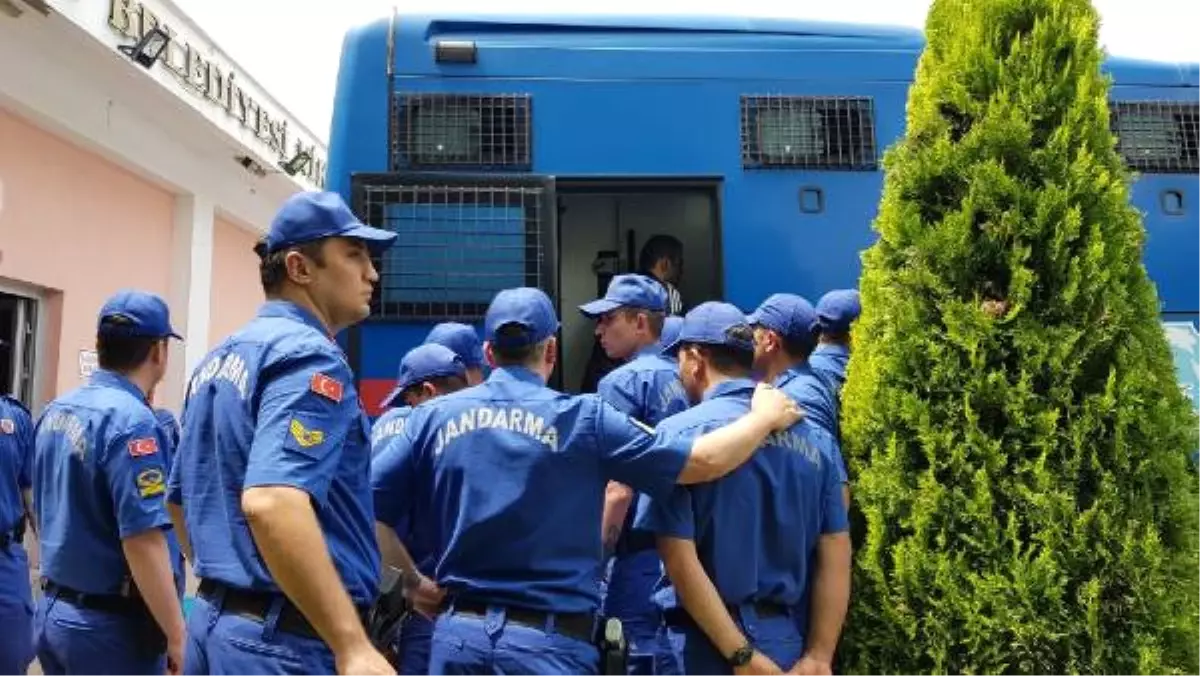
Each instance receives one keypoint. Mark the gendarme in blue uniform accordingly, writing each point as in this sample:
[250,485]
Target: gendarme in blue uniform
[836,311]
[100,470]
[646,388]
[16,599]
[274,404]
[510,476]
[421,364]
[757,528]
[794,318]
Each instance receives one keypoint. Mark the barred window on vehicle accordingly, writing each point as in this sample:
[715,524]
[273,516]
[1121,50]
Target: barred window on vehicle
[808,132]
[1157,137]
[461,131]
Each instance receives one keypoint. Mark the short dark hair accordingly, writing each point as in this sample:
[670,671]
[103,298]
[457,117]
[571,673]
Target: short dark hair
[122,354]
[839,337]
[729,361]
[797,348]
[655,320]
[519,355]
[272,267]
[659,247]
[444,384]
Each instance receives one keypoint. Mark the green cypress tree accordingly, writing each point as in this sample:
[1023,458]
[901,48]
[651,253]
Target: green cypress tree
[1012,421]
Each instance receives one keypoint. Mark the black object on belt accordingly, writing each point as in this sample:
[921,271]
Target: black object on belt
[574,625]
[256,605]
[17,535]
[678,617]
[635,541]
[109,603]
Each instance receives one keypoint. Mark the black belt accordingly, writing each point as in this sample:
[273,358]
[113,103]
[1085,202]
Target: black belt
[109,603]
[634,542]
[256,605]
[678,617]
[573,625]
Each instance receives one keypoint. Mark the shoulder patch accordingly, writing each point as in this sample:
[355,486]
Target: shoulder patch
[326,387]
[143,447]
[150,482]
[7,426]
[305,437]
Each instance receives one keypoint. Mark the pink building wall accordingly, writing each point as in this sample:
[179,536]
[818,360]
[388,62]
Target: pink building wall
[81,228]
[236,290]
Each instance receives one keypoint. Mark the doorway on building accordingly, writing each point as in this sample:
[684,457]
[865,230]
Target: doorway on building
[18,326]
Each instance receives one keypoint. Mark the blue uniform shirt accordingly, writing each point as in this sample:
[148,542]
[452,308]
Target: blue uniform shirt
[510,476]
[275,405]
[829,361]
[755,529]
[16,460]
[646,388]
[386,433]
[815,396]
[100,469]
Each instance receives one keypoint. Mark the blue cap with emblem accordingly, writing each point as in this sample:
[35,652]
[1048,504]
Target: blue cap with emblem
[838,309]
[422,363]
[714,323]
[136,314]
[631,291]
[789,315]
[670,330]
[527,309]
[460,338]
[312,215]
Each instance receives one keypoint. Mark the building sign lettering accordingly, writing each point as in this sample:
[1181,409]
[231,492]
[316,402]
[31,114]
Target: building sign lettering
[216,83]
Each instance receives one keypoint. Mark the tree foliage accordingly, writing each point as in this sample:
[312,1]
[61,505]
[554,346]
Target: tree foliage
[1012,422]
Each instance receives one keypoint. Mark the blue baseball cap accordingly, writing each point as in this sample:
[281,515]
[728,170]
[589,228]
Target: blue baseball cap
[838,309]
[460,338]
[136,313]
[670,330]
[312,215]
[525,307]
[422,363]
[632,291]
[714,323]
[789,315]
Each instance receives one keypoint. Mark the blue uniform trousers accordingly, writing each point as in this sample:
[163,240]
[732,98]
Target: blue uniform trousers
[412,645]
[633,579]
[777,637]
[75,640]
[466,644]
[224,643]
[16,611]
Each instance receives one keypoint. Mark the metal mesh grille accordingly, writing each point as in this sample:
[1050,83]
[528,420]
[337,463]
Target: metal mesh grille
[827,132]
[457,246]
[461,131]
[1157,137]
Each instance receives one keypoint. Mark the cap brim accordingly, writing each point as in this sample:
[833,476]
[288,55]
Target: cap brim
[376,239]
[673,348]
[390,400]
[598,307]
[174,335]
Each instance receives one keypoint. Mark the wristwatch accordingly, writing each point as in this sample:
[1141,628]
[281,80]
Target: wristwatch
[742,656]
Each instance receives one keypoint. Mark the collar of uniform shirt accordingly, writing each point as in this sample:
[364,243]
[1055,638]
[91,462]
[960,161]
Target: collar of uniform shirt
[113,379]
[833,347]
[289,310]
[515,373]
[728,387]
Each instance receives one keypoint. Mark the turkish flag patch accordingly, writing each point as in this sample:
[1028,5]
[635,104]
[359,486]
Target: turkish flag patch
[326,387]
[143,447]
